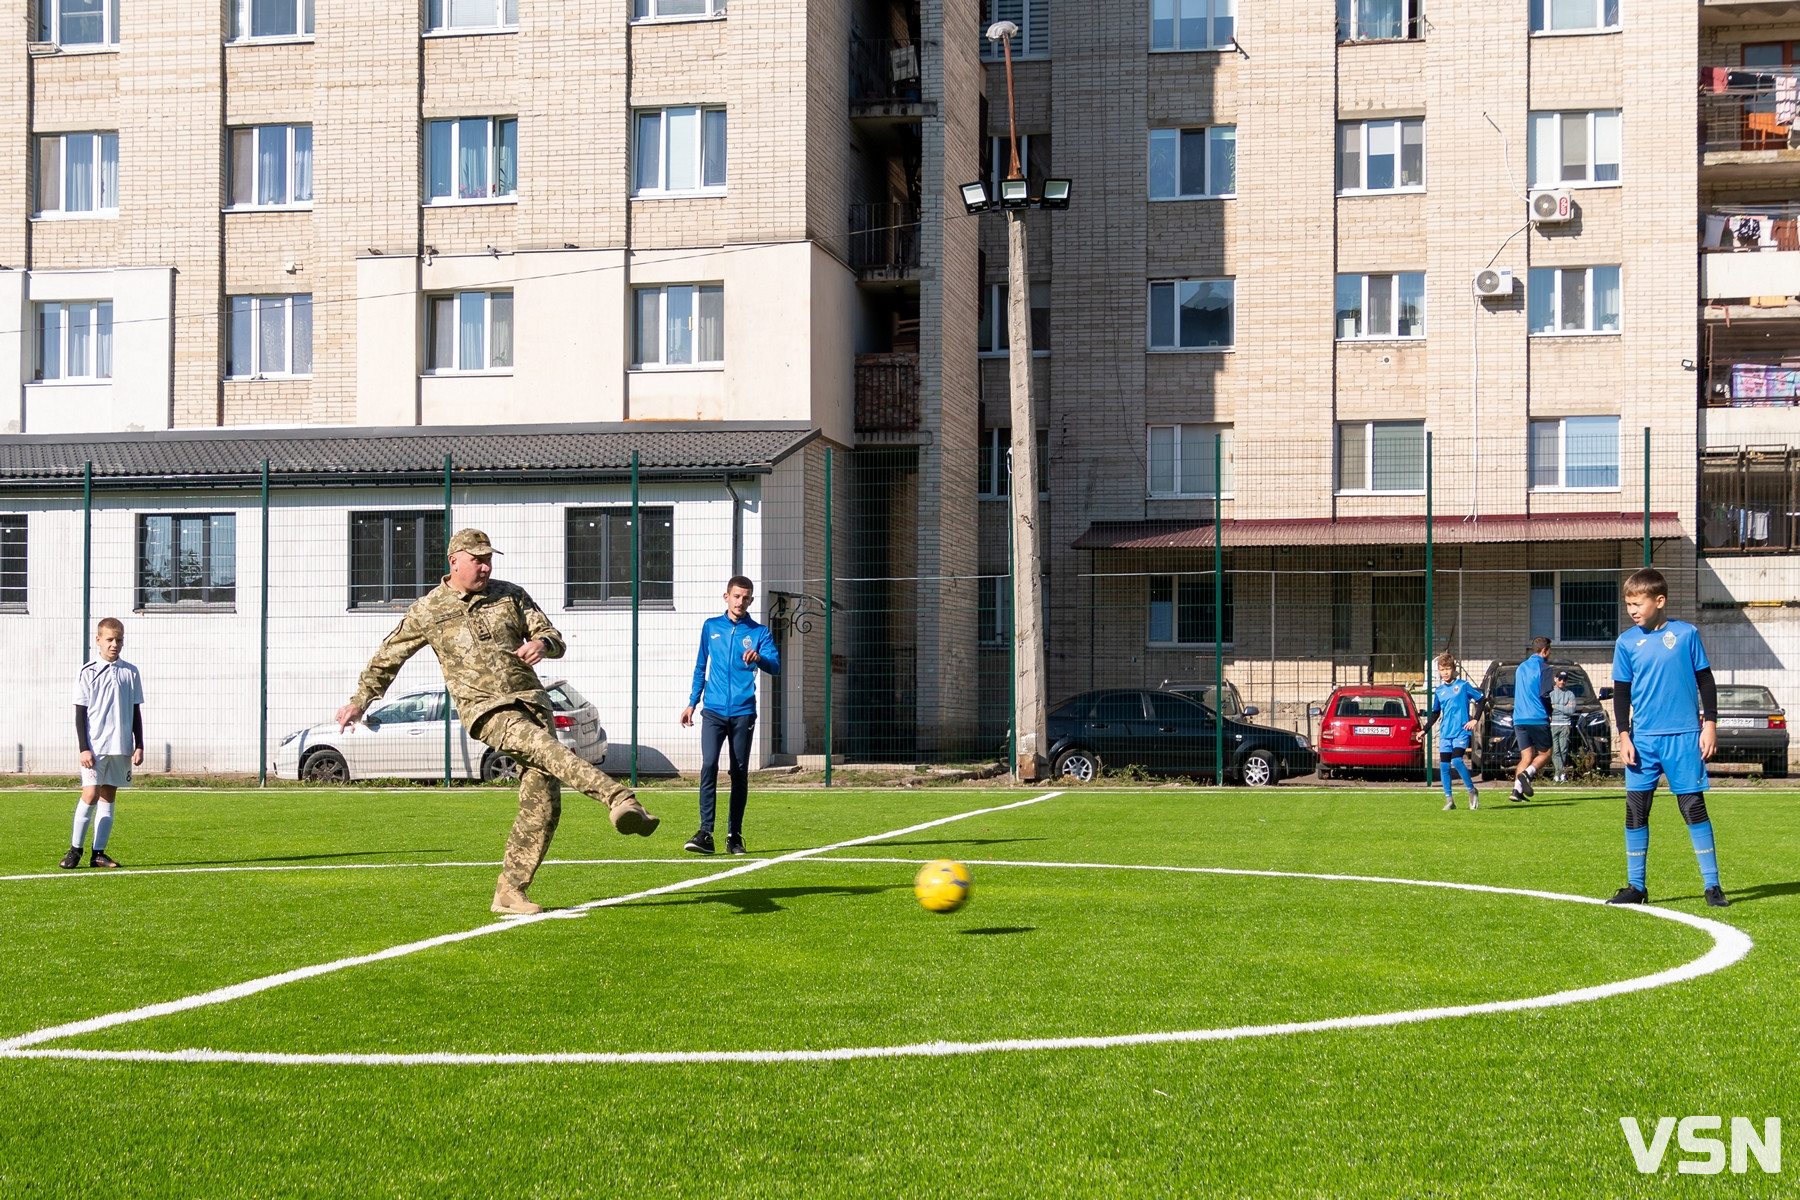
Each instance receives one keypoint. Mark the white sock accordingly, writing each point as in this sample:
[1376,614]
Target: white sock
[102,824]
[81,821]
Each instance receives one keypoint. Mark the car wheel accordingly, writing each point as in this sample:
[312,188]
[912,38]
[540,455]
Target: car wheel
[1259,769]
[1080,765]
[1775,768]
[324,765]
[1325,773]
[499,768]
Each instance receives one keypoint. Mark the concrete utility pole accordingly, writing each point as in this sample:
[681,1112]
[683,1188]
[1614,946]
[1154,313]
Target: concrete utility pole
[1027,565]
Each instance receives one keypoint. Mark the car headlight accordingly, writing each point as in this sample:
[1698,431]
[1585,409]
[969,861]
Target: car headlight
[290,737]
[1503,720]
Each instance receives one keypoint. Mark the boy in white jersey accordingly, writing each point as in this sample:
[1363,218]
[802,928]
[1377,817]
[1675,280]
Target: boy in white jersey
[109,729]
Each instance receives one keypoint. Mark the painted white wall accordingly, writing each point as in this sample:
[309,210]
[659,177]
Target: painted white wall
[387,340]
[15,363]
[139,397]
[1731,428]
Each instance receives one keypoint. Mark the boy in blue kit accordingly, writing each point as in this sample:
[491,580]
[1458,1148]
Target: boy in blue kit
[1531,717]
[1457,702]
[732,647]
[1667,707]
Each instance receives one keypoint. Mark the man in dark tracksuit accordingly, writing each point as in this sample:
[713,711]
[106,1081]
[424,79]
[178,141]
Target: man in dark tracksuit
[732,647]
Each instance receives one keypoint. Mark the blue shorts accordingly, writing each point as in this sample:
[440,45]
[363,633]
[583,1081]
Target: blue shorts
[1676,755]
[1455,745]
[1532,737]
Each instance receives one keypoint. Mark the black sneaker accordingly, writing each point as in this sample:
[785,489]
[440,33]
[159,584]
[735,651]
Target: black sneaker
[72,859]
[1716,898]
[734,844]
[1630,895]
[1525,786]
[99,859]
[701,842]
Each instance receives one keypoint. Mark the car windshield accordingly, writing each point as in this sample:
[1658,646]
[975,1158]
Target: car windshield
[1736,695]
[1204,694]
[1361,707]
[564,695]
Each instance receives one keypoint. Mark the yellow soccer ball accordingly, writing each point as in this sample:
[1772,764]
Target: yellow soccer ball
[943,886]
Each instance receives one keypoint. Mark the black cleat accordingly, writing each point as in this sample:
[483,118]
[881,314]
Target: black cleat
[1525,787]
[701,842]
[1716,898]
[99,859]
[1630,895]
[72,859]
[734,844]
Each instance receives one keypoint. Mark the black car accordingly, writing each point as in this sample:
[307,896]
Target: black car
[1752,728]
[1496,749]
[1167,733]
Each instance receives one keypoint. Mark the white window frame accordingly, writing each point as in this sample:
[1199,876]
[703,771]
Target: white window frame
[1033,19]
[459,299]
[1368,283]
[1556,301]
[1176,437]
[493,128]
[1368,466]
[291,200]
[242,12]
[661,291]
[1208,12]
[994,295]
[1214,134]
[648,12]
[1538,147]
[101,145]
[1604,11]
[98,365]
[1562,455]
[1556,607]
[438,13]
[662,190]
[1177,348]
[1362,157]
[255,307]
[1411,17]
[50,24]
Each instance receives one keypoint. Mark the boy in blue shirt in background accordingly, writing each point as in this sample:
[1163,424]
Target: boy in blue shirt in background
[732,647]
[1456,703]
[1531,717]
[1667,707]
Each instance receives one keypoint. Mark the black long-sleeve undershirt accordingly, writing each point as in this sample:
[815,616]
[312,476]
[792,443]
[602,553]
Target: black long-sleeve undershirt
[81,727]
[1709,699]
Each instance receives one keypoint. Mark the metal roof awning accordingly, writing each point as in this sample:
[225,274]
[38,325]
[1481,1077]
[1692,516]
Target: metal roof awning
[1379,531]
[406,455]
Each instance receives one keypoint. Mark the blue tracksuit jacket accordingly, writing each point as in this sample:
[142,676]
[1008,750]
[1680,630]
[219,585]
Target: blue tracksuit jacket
[720,674]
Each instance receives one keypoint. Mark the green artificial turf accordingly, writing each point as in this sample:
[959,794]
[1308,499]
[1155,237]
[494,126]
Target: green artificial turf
[822,953]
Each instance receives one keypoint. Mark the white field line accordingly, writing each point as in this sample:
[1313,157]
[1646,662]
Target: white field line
[251,987]
[128,872]
[1730,945]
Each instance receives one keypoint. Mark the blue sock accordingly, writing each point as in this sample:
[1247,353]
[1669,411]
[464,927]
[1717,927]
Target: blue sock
[1462,768]
[1701,834]
[1637,849]
[1444,777]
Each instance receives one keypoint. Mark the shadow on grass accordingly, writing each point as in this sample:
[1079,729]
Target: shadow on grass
[1759,891]
[761,901]
[284,858]
[997,930]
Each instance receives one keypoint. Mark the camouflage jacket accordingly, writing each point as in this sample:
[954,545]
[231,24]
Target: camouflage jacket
[474,637]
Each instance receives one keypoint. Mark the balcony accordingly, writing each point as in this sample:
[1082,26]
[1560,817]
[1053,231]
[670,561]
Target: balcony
[885,81]
[884,241]
[887,393]
[1752,364]
[1747,121]
[1748,502]
[1750,252]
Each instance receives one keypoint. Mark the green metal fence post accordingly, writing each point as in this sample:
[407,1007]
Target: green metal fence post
[1430,633]
[262,704]
[449,528]
[1218,613]
[828,616]
[636,590]
[87,555]
[1646,495]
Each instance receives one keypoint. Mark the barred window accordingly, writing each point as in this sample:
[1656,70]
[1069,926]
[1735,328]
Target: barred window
[1181,610]
[12,562]
[395,557]
[187,560]
[597,556]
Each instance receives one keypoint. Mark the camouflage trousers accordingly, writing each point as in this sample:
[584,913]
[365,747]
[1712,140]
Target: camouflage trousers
[543,761]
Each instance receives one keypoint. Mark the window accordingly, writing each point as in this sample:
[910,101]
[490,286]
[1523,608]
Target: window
[1574,16]
[1379,20]
[1575,453]
[1031,16]
[1574,148]
[1381,156]
[271,19]
[473,14]
[12,563]
[1186,164]
[1192,24]
[470,331]
[993,466]
[271,166]
[74,340]
[187,560]
[1034,161]
[679,326]
[1574,300]
[78,174]
[395,557]
[993,335]
[1181,460]
[270,336]
[1343,611]
[1575,606]
[476,158]
[597,556]
[1191,314]
[1181,610]
[79,22]
[1381,456]
[993,609]
[653,10]
[680,151]
[1381,306]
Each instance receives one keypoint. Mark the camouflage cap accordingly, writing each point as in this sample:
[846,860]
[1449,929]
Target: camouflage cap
[472,541]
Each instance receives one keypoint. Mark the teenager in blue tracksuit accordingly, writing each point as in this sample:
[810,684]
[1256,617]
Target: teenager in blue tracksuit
[732,647]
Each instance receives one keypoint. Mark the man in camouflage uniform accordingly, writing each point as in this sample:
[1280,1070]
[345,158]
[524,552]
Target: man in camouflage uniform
[488,634]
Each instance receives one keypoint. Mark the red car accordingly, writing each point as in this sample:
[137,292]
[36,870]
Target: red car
[1369,726]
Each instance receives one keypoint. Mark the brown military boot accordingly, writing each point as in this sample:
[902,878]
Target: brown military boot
[509,899]
[628,816]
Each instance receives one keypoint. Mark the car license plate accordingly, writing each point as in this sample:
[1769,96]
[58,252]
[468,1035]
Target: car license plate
[1380,730]
[1740,722]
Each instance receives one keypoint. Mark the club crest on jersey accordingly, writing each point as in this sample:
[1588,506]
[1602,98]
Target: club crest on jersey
[1669,639]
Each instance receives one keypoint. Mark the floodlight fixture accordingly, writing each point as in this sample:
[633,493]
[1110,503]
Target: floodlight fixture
[1056,193]
[975,198]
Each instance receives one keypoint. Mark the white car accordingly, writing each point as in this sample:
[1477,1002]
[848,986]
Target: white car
[403,738]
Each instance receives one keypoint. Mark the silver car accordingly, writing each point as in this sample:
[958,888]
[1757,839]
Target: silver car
[402,737]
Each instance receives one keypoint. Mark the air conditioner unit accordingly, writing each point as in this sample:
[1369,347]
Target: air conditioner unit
[1493,283]
[1552,208]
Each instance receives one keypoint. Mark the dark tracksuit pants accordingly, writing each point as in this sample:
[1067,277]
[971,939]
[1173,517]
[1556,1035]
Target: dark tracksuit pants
[717,732]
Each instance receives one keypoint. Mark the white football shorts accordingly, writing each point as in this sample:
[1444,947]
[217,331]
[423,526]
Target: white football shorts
[109,770]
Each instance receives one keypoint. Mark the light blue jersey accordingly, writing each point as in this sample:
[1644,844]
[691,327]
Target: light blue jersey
[1453,701]
[1528,692]
[1660,665]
